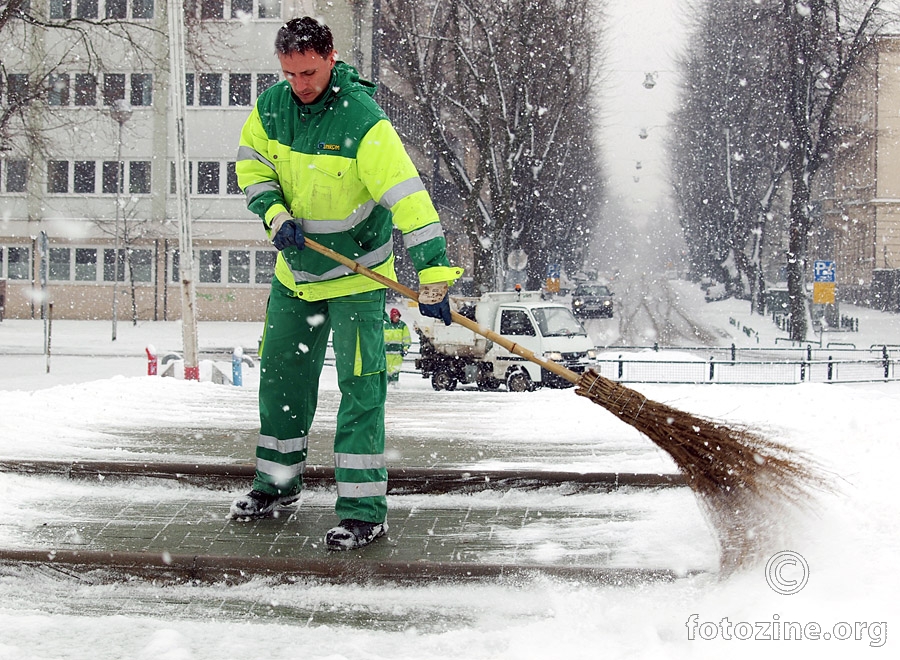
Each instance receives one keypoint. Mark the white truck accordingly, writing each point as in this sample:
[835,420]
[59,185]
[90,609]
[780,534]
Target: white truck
[454,354]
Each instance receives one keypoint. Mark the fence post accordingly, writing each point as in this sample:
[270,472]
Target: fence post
[885,361]
[830,369]
[734,352]
[712,367]
[621,367]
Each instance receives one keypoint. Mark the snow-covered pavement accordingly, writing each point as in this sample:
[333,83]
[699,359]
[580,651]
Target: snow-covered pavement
[849,540]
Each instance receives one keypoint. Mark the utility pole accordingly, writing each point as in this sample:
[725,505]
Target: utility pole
[185,243]
[120,111]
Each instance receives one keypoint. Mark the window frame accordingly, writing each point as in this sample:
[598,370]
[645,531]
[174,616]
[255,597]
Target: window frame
[59,269]
[204,83]
[140,180]
[209,177]
[18,168]
[82,170]
[27,273]
[58,177]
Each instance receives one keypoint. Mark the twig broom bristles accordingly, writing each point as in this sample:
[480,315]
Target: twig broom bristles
[741,478]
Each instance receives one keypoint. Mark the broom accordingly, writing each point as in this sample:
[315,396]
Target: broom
[742,480]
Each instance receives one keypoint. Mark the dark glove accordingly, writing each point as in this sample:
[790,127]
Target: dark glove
[434,302]
[287,233]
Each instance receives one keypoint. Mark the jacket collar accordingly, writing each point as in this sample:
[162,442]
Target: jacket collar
[343,78]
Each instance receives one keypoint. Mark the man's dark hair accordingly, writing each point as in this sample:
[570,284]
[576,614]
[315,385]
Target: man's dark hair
[299,35]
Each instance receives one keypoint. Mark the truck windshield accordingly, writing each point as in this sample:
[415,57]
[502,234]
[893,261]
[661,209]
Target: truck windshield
[557,322]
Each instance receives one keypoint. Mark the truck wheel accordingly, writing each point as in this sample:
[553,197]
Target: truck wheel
[518,381]
[442,380]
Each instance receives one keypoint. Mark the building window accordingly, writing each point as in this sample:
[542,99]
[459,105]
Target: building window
[239,266]
[264,81]
[189,89]
[57,176]
[210,88]
[59,266]
[212,9]
[110,268]
[211,266]
[58,89]
[141,265]
[142,9]
[113,88]
[60,9]
[239,88]
[86,9]
[141,88]
[16,175]
[231,180]
[241,9]
[17,86]
[265,266]
[139,177]
[270,8]
[176,266]
[18,263]
[116,9]
[85,264]
[85,89]
[208,178]
[85,174]
[113,176]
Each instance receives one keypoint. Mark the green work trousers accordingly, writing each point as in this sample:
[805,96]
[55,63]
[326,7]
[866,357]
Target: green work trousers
[291,359]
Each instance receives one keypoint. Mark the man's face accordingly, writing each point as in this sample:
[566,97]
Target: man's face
[307,73]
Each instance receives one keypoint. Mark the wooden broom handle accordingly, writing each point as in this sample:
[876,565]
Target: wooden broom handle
[509,345]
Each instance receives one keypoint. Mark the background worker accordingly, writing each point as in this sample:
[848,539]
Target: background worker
[318,157]
[397,341]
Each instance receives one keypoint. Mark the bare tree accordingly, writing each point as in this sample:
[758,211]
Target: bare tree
[757,121]
[728,150]
[503,88]
[825,42]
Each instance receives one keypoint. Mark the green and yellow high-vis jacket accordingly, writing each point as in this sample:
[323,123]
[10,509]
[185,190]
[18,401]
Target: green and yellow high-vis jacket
[338,167]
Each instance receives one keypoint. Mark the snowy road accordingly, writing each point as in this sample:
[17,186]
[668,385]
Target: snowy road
[648,311]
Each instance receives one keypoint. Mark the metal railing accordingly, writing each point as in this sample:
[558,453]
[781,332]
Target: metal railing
[756,366]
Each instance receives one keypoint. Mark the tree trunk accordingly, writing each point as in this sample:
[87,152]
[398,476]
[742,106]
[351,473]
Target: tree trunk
[798,238]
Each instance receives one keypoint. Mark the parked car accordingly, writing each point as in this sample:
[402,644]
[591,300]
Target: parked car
[592,300]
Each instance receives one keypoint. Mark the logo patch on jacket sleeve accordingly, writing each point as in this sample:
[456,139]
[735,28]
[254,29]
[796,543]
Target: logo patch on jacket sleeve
[329,147]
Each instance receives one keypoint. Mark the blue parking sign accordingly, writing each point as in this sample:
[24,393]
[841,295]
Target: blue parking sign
[824,271]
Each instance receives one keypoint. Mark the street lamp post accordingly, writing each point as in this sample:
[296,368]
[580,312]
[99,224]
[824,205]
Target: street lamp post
[120,111]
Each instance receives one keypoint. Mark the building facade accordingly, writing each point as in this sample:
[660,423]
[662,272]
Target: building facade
[87,172]
[862,209]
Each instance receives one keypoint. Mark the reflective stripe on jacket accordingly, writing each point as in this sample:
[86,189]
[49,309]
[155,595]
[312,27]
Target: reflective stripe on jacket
[338,167]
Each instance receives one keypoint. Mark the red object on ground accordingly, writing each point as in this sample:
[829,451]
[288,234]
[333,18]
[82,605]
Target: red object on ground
[152,362]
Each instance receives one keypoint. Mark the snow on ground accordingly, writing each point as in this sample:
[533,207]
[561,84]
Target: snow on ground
[849,539]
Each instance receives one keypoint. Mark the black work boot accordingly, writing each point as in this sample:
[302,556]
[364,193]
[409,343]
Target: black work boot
[257,504]
[353,534]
